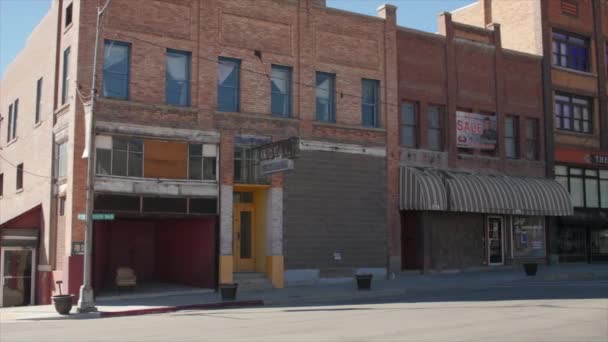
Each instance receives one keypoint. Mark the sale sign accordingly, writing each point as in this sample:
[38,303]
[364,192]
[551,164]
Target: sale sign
[476,131]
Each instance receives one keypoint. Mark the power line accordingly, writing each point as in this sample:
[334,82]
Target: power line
[22,169]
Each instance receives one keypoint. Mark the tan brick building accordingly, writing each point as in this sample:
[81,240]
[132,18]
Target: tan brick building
[572,36]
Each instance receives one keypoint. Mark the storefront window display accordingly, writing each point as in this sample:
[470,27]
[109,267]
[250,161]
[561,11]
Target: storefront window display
[528,237]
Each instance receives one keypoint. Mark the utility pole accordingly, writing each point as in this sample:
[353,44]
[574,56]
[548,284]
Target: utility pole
[86,301]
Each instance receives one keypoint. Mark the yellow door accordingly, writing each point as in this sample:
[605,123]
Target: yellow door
[244,237]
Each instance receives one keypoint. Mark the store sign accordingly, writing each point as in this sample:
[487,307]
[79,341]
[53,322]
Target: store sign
[476,131]
[598,159]
[282,149]
[97,217]
[276,165]
[576,156]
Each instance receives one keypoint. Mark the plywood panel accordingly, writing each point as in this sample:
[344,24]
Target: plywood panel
[165,159]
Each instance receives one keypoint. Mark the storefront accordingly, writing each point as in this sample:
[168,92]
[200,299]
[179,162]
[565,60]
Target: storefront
[457,220]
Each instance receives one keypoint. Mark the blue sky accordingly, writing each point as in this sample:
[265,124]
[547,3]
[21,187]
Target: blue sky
[19,17]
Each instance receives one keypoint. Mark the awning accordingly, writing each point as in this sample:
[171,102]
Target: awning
[422,189]
[19,238]
[484,193]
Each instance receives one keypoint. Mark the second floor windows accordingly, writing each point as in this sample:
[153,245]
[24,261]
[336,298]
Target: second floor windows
[325,99]
[228,83]
[19,182]
[370,103]
[38,100]
[280,89]
[178,78]
[65,83]
[511,137]
[202,162]
[11,128]
[124,158]
[61,160]
[409,122]
[116,60]
[435,135]
[570,51]
[573,113]
[532,144]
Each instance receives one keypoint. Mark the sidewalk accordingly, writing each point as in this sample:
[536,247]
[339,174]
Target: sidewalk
[406,285]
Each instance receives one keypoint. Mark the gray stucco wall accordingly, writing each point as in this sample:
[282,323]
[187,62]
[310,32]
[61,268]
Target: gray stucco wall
[456,240]
[335,202]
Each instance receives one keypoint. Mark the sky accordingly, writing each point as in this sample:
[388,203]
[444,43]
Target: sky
[19,17]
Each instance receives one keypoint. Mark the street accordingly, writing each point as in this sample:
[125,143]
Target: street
[518,311]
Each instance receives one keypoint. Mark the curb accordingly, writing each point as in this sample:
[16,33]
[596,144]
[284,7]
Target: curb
[166,309]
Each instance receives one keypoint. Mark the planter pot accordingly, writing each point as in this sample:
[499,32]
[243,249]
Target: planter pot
[63,303]
[364,281]
[228,291]
[531,268]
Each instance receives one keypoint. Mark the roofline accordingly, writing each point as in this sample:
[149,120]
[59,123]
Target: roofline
[466,6]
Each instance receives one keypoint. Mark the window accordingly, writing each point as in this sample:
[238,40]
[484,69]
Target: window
[570,7]
[570,51]
[408,125]
[573,113]
[325,94]
[38,99]
[65,91]
[280,90]
[68,15]
[1,184]
[19,183]
[528,237]
[13,113]
[246,166]
[177,89]
[371,103]
[202,162]
[116,61]
[532,146]
[511,137]
[588,187]
[62,160]
[124,157]
[228,84]
[435,140]
[61,206]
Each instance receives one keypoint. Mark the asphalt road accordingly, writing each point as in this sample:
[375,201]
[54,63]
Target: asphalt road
[521,311]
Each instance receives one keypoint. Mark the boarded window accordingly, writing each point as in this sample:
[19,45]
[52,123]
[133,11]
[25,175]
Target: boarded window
[165,159]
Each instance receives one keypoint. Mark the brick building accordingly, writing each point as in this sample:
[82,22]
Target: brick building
[472,191]
[572,36]
[187,90]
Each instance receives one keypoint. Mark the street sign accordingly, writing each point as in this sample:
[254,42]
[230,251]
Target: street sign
[276,165]
[97,217]
[282,149]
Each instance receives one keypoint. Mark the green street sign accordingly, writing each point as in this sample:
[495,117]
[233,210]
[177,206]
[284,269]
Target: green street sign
[97,217]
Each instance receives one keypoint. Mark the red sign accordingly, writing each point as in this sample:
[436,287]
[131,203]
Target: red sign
[581,157]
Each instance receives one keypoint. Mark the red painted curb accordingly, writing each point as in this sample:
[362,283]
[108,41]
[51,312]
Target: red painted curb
[220,305]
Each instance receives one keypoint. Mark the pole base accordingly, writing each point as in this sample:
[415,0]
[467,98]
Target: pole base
[86,302]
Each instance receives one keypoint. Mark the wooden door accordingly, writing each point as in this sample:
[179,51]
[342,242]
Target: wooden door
[244,237]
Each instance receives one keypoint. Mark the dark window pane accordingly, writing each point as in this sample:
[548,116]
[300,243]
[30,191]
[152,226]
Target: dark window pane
[195,167]
[119,163]
[434,139]
[105,202]
[246,235]
[178,78]
[164,205]
[209,168]
[119,143]
[203,205]
[407,136]
[576,192]
[136,146]
[135,164]
[103,161]
[591,195]
[195,150]
[325,90]
[228,85]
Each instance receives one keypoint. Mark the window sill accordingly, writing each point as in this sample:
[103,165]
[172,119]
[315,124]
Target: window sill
[14,140]
[574,71]
[575,134]
[19,191]
[62,108]
[67,28]
[158,180]
[478,156]
[258,116]
[38,124]
[351,127]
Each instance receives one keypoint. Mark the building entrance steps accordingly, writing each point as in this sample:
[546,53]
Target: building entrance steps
[252,281]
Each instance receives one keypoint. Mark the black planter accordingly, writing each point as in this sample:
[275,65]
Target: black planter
[63,303]
[228,291]
[531,268]
[364,281]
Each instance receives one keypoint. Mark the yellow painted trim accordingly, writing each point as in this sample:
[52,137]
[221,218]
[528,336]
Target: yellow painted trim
[275,270]
[226,269]
[251,187]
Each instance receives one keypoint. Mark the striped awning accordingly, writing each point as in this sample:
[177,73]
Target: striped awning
[422,189]
[484,193]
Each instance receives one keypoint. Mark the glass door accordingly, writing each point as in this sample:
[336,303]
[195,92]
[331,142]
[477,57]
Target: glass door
[16,276]
[495,241]
[244,237]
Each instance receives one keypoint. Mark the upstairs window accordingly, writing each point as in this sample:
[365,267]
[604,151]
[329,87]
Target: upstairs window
[325,99]
[435,133]
[120,157]
[116,60]
[228,82]
[409,124]
[511,137]
[65,84]
[1,184]
[13,113]
[370,102]
[178,78]
[202,162]
[38,100]
[532,145]
[61,160]
[19,183]
[573,113]
[280,90]
[571,51]
[68,14]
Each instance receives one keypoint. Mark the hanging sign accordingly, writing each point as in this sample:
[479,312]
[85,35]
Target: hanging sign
[282,149]
[276,165]
[476,131]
